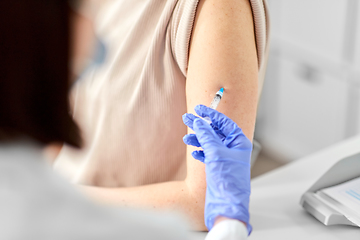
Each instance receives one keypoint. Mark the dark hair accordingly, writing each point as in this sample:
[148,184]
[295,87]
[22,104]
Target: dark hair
[34,71]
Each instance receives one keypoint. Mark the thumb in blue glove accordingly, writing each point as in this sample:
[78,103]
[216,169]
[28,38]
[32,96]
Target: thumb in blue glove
[226,153]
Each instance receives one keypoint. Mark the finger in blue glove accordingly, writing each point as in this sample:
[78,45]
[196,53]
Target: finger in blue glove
[226,126]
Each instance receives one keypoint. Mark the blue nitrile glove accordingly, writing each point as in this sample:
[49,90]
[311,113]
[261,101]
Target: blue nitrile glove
[226,154]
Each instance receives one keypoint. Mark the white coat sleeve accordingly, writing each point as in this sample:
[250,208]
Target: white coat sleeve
[228,230]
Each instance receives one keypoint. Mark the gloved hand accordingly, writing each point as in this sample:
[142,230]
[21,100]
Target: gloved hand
[226,154]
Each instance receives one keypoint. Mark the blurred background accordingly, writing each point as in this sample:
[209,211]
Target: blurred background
[311,95]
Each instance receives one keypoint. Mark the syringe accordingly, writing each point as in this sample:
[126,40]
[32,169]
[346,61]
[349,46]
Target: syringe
[215,102]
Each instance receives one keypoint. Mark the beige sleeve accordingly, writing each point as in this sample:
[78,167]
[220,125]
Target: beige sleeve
[182,23]
[262,31]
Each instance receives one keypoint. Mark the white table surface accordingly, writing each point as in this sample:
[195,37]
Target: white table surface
[274,204]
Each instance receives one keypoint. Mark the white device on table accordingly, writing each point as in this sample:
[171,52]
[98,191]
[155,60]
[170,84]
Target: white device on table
[335,198]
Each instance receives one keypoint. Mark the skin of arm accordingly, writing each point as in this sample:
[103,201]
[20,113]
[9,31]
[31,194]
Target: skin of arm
[222,54]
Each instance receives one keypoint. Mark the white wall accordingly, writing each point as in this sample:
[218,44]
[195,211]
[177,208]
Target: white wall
[311,95]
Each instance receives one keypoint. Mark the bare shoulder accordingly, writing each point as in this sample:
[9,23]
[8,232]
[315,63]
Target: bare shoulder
[223,26]
[228,15]
[227,7]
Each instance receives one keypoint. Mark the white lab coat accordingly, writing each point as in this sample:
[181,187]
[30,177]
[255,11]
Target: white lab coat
[35,203]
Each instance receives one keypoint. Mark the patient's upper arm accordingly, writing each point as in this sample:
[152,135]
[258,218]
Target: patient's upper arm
[223,54]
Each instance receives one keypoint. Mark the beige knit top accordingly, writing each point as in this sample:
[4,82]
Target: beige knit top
[129,110]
